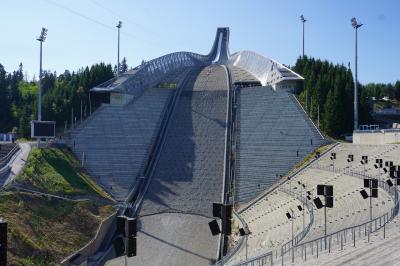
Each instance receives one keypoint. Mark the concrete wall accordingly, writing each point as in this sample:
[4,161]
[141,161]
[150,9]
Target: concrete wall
[381,137]
[80,257]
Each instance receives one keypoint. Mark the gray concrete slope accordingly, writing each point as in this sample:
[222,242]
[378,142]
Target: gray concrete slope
[273,135]
[189,175]
[117,140]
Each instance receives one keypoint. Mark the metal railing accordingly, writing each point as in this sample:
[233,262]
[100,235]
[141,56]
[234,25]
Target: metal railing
[10,154]
[325,242]
[365,229]
[300,236]
[237,247]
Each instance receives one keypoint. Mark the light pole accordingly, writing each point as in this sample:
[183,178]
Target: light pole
[41,39]
[355,25]
[290,216]
[303,20]
[301,196]
[119,28]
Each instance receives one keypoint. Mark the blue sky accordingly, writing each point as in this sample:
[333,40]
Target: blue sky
[82,32]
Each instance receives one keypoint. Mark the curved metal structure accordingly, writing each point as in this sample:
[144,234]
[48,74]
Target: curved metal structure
[267,71]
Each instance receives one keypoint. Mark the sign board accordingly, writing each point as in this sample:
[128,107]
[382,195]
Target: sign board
[43,129]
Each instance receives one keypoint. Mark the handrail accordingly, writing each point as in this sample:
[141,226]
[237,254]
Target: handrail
[387,217]
[237,247]
[393,212]
[10,154]
[300,236]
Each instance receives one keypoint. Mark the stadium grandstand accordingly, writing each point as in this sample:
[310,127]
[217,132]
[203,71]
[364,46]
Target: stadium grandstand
[184,131]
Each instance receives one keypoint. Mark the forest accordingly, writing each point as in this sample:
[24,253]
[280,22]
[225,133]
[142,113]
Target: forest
[60,95]
[328,89]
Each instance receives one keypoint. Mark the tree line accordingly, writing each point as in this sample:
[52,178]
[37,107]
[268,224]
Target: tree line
[60,94]
[328,90]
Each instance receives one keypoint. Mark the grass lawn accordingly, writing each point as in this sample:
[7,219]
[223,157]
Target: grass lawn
[43,231]
[57,171]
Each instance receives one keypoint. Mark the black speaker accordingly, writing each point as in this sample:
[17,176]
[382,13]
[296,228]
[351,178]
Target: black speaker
[329,190]
[318,203]
[320,190]
[121,225]
[217,210]
[389,182]
[214,227]
[131,246]
[374,193]
[131,227]
[3,243]
[364,194]
[350,157]
[388,163]
[329,202]
[226,211]
[366,183]
[374,183]
[119,247]
[227,227]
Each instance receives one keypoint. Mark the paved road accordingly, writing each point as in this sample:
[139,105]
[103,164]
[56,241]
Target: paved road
[159,244]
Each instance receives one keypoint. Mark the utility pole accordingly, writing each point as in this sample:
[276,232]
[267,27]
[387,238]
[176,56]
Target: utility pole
[41,39]
[355,25]
[119,28]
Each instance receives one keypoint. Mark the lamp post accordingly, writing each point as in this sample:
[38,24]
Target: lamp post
[290,216]
[355,25]
[303,20]
[301,196]
[119,28]
[41,39]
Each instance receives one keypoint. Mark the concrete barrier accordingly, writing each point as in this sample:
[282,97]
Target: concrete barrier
[376,137]
[80,257]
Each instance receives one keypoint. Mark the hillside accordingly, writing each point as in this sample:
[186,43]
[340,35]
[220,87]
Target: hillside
[53,208]
[57,171]
[44,230]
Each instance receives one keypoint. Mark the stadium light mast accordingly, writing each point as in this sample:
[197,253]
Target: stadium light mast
[119,28]
[41,39]
[303,20]
[355,25]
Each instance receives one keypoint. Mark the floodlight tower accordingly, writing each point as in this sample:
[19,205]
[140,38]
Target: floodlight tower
[303,20]
[41,39]
[119,28]
[355,25]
